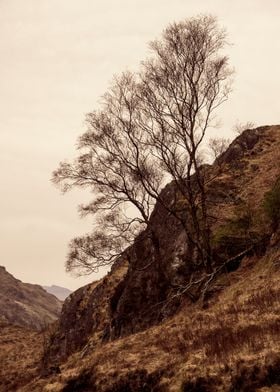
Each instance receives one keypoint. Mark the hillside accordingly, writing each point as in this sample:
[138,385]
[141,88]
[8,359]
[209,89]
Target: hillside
[60,292]
[26,305]
[20,355]
[140,330]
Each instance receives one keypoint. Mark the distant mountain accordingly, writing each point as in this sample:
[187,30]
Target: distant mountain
[60,292]
[24,304]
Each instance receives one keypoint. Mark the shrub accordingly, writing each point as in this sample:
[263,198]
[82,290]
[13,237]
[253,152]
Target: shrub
[201,384]
[81,383]
[272,204]
[237,233]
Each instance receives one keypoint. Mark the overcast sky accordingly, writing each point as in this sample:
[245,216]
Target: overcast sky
[57,58]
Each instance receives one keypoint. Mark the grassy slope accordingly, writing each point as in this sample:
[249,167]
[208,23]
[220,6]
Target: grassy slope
[20,354]
[235,340]
[233,344]
[239,330]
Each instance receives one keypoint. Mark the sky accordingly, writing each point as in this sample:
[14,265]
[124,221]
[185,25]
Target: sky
[57,59]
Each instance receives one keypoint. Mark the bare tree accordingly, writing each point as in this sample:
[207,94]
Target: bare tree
[100,248]
[218,145]
[183,85]
[116,164]
[240,127]
[150,129]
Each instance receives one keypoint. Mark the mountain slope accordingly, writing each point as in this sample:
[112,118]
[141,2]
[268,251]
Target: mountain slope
[20,356]
[142,298]
[25,304]
[233,345]
[136,331]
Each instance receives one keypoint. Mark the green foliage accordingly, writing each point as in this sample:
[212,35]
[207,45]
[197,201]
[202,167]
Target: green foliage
[272,204]
[238,233]
[237,227]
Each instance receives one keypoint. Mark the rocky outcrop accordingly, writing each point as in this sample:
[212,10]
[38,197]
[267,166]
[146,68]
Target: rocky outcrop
[134,297]
[85,319]
[242,145]
[116,334]
[148,297]
[26,305]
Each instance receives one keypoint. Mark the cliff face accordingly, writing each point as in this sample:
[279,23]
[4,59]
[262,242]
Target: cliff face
[25,304]
[132,299]
[86,316]
[238,181]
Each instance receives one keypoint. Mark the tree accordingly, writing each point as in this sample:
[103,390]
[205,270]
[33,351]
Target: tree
[218,146]
[149,130]
[239,127]
[183,84]
[116,164]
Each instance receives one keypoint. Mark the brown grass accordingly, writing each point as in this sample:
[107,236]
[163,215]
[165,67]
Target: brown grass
[232,344]
[200,347]
[20,355]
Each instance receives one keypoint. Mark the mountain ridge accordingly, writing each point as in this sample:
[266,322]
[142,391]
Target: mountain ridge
[60,292]
[25,304]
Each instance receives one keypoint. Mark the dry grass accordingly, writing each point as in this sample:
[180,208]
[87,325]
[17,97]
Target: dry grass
[261,169]
[240,329]
[20,356]
[231,345]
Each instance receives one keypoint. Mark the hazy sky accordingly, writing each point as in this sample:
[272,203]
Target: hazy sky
[57,57]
